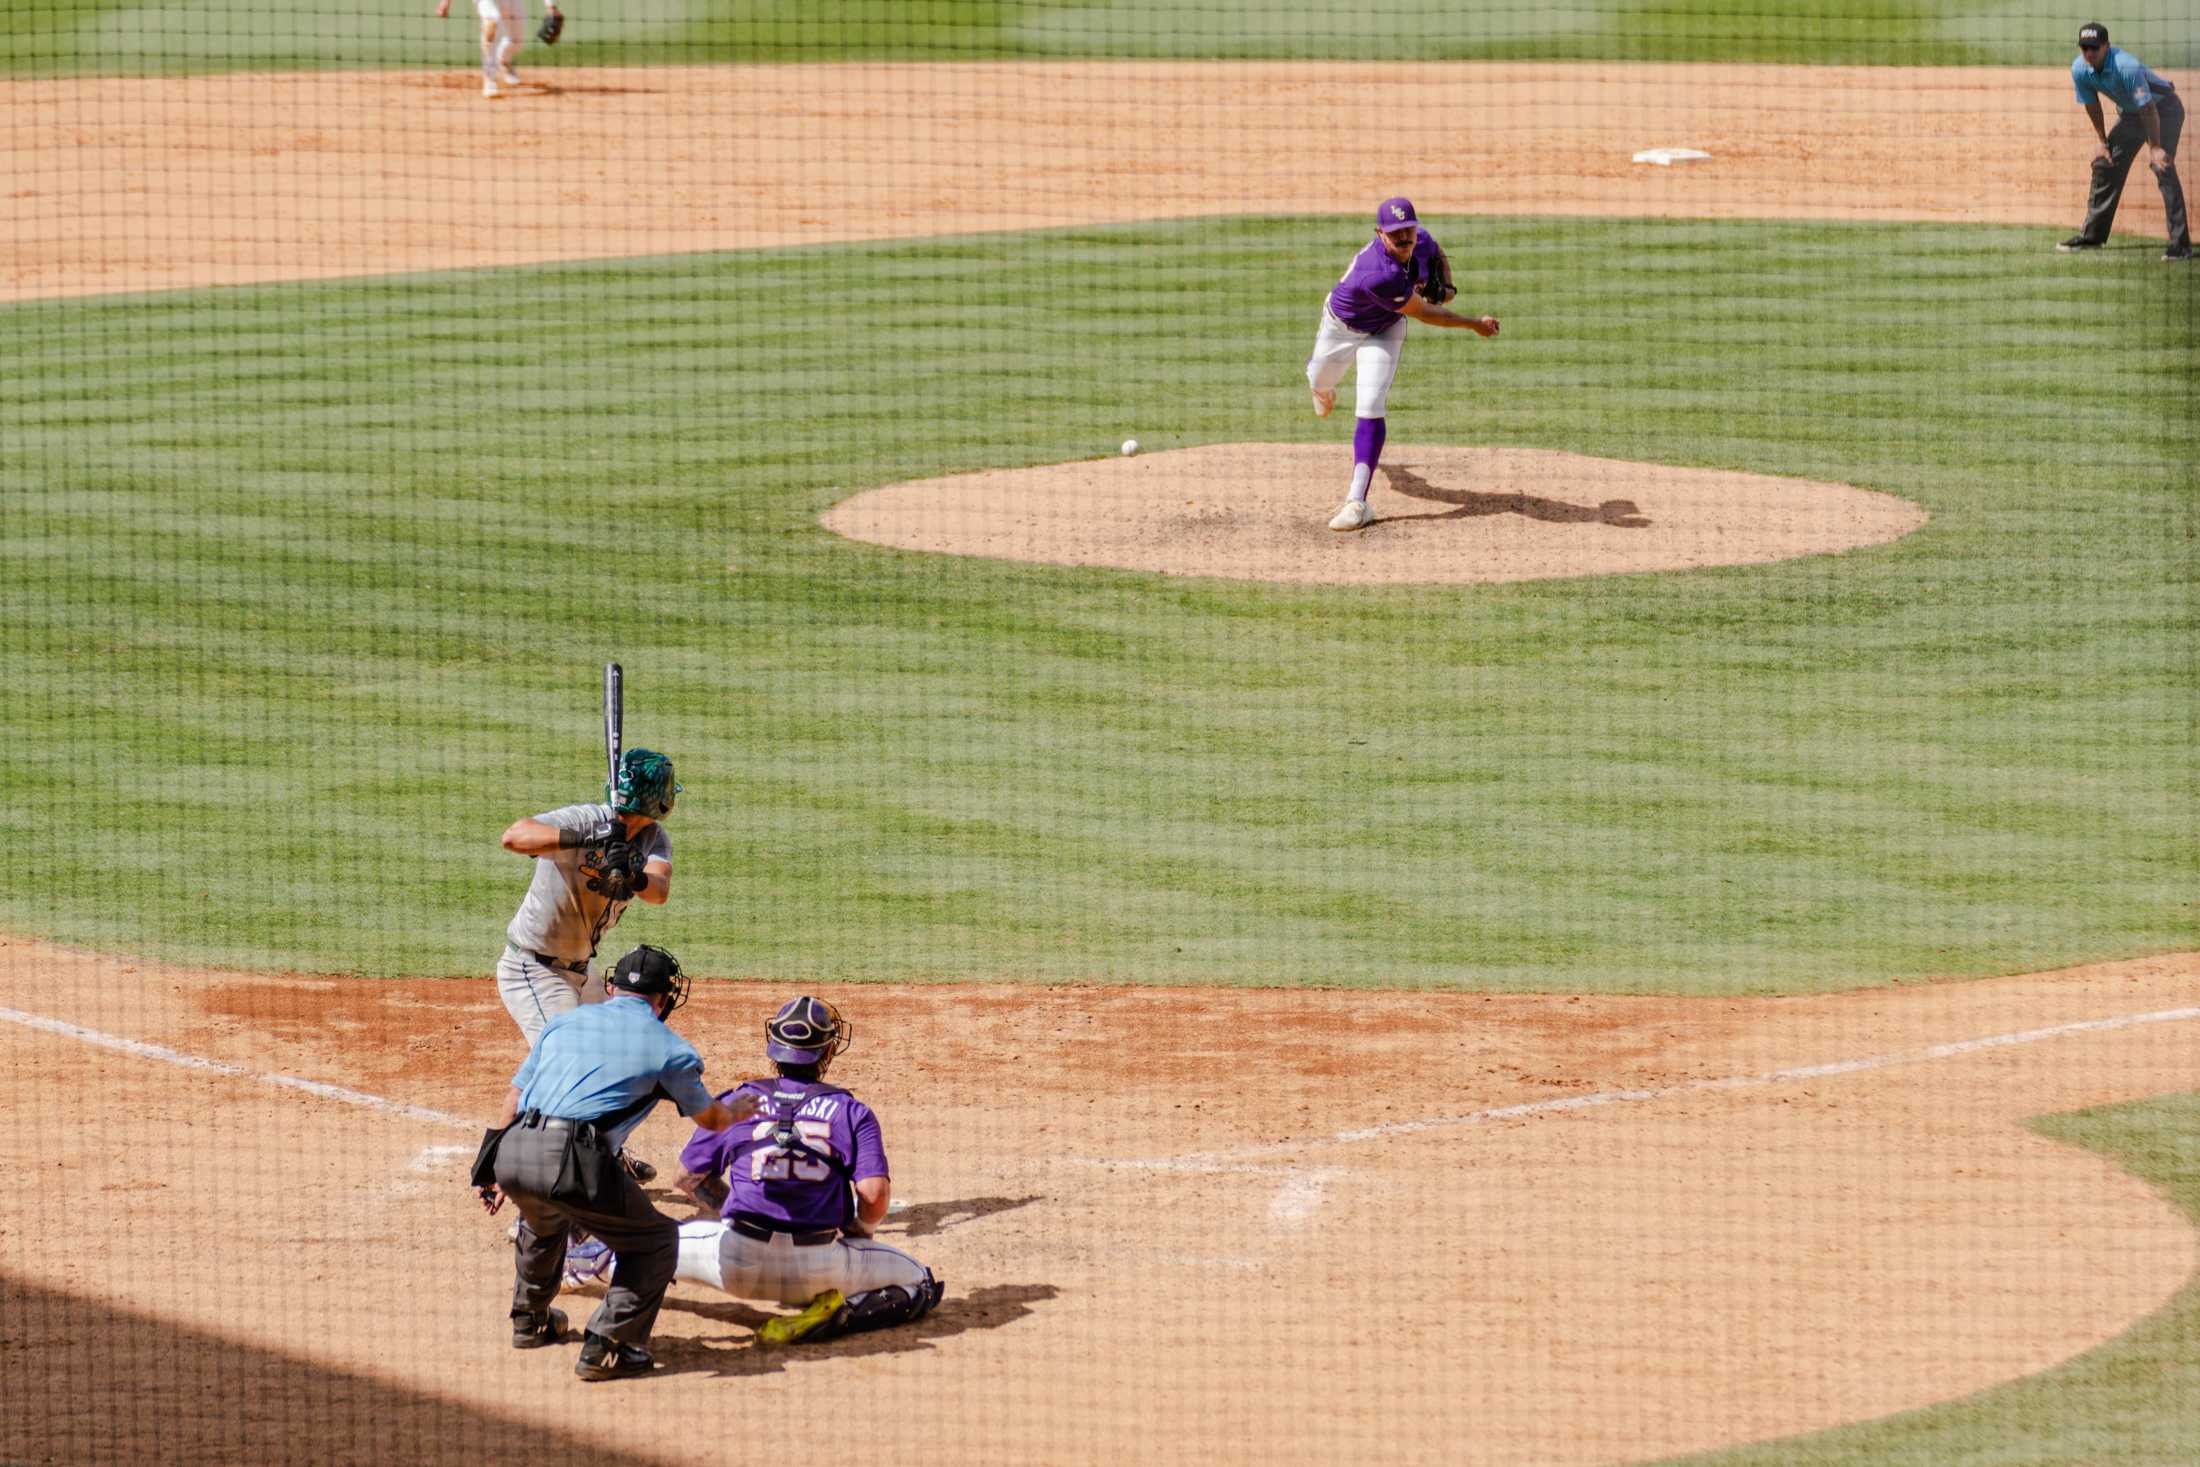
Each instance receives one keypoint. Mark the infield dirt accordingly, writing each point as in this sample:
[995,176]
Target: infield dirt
[1211,1226]
[127,185]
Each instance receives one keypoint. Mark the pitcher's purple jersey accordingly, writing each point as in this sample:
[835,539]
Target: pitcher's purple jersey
[1372,295]
[785,1186]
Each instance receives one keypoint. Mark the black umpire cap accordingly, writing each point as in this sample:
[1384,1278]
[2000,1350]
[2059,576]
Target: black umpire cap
[651,972]
[2092,33]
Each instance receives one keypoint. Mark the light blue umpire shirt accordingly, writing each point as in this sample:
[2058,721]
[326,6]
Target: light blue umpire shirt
[2121,76]
[592,1060]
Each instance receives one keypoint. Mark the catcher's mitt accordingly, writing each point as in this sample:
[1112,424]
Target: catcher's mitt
[553,26]
[1438,289]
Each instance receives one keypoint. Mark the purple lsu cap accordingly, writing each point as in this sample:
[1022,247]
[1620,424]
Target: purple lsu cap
[1395,214]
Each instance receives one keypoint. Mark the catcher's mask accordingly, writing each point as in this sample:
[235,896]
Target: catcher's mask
[651,972]
[807,1031]
[644,786]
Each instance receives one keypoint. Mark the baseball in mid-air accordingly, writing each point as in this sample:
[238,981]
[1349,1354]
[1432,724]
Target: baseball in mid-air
[1130,446]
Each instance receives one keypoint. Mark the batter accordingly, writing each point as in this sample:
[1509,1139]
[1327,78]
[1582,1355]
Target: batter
[590,862]
[1401,272]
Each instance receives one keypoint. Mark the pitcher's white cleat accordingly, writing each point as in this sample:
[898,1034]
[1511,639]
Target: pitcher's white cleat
[1354,516]
[506,77]
[1323,401]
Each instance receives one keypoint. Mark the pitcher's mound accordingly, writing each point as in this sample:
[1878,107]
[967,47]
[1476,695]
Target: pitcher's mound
[1260,512]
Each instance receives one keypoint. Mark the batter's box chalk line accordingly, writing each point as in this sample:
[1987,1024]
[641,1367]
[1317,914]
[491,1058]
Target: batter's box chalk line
[1667,157]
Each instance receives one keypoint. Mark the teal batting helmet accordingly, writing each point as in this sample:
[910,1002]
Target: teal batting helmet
[644,786]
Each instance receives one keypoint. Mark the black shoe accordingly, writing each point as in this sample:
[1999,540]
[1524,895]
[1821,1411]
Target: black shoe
[640,1170]
[2078,242]
[2178,251]
[533,1331]
[603,1359]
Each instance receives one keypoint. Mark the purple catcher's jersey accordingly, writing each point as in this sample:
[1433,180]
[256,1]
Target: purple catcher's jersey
[1372,294]
[787,1186]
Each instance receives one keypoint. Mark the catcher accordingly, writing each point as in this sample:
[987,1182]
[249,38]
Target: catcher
[503,32]
[808,1187]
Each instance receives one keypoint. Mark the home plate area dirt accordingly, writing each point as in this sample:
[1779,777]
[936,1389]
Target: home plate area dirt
[1185,1227]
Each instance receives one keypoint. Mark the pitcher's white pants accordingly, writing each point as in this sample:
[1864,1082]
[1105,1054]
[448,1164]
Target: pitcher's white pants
[1337,348]
[711,1252]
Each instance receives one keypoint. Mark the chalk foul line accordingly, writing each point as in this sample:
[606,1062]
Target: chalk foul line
[164,1055]
[1244,1159]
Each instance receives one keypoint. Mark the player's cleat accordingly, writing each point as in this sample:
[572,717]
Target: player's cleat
[2177,252]
[2077,242]
[1323,401]
[506,77]
[490,89]
[788,1328]
[603,1359]
[533,1331]
[587,1262]
[1354,516]
[638,1169]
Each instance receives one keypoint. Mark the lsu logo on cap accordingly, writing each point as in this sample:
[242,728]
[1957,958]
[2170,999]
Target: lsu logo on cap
[1397,211]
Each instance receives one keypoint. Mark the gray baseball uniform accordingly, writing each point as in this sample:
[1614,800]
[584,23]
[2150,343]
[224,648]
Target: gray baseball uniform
[553,936]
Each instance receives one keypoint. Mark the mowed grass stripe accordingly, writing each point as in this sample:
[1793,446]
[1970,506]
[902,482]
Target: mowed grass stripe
[307,585]
[122,37]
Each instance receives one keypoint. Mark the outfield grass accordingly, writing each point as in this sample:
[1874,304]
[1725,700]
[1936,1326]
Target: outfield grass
[2134,1402]
[127,37]
[307,587]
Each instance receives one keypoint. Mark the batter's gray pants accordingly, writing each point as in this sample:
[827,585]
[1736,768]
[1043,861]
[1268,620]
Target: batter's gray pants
[2125,140]
[644,1243]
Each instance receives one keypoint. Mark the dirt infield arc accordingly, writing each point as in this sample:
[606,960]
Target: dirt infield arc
[129,185]
[1583,1230]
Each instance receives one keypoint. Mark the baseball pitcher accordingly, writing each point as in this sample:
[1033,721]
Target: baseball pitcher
[1401,272]
[800,1191]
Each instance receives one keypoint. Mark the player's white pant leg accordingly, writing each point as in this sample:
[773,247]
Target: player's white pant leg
[1377,356]
[534,995]
[781,1273]
[512,20]
[699,1256]
[1335,345]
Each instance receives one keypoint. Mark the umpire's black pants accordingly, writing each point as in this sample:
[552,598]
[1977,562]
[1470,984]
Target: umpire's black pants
[2125,140]
[645,1243]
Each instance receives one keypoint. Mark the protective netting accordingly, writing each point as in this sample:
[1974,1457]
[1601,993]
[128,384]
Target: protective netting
[1440,981]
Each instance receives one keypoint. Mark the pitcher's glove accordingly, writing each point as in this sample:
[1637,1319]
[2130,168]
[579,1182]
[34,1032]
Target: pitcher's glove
[553,26]
[1438,289]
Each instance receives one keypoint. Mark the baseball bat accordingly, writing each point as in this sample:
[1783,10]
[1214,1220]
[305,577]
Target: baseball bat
[614,722]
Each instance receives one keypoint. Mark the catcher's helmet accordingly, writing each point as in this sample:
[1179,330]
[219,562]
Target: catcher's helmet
[651,972]
[807,1031]
[644,785]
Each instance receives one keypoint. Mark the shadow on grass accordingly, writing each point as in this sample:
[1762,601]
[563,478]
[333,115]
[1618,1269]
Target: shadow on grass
[86,1381]
[1469,503]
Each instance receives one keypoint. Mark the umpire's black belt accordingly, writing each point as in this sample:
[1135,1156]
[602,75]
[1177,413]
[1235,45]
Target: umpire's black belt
[749,1225]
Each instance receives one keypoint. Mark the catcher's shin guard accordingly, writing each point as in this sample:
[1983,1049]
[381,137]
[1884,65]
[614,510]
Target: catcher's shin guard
[880,1309]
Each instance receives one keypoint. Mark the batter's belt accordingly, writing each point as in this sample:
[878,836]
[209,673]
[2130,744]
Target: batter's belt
[559,965]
